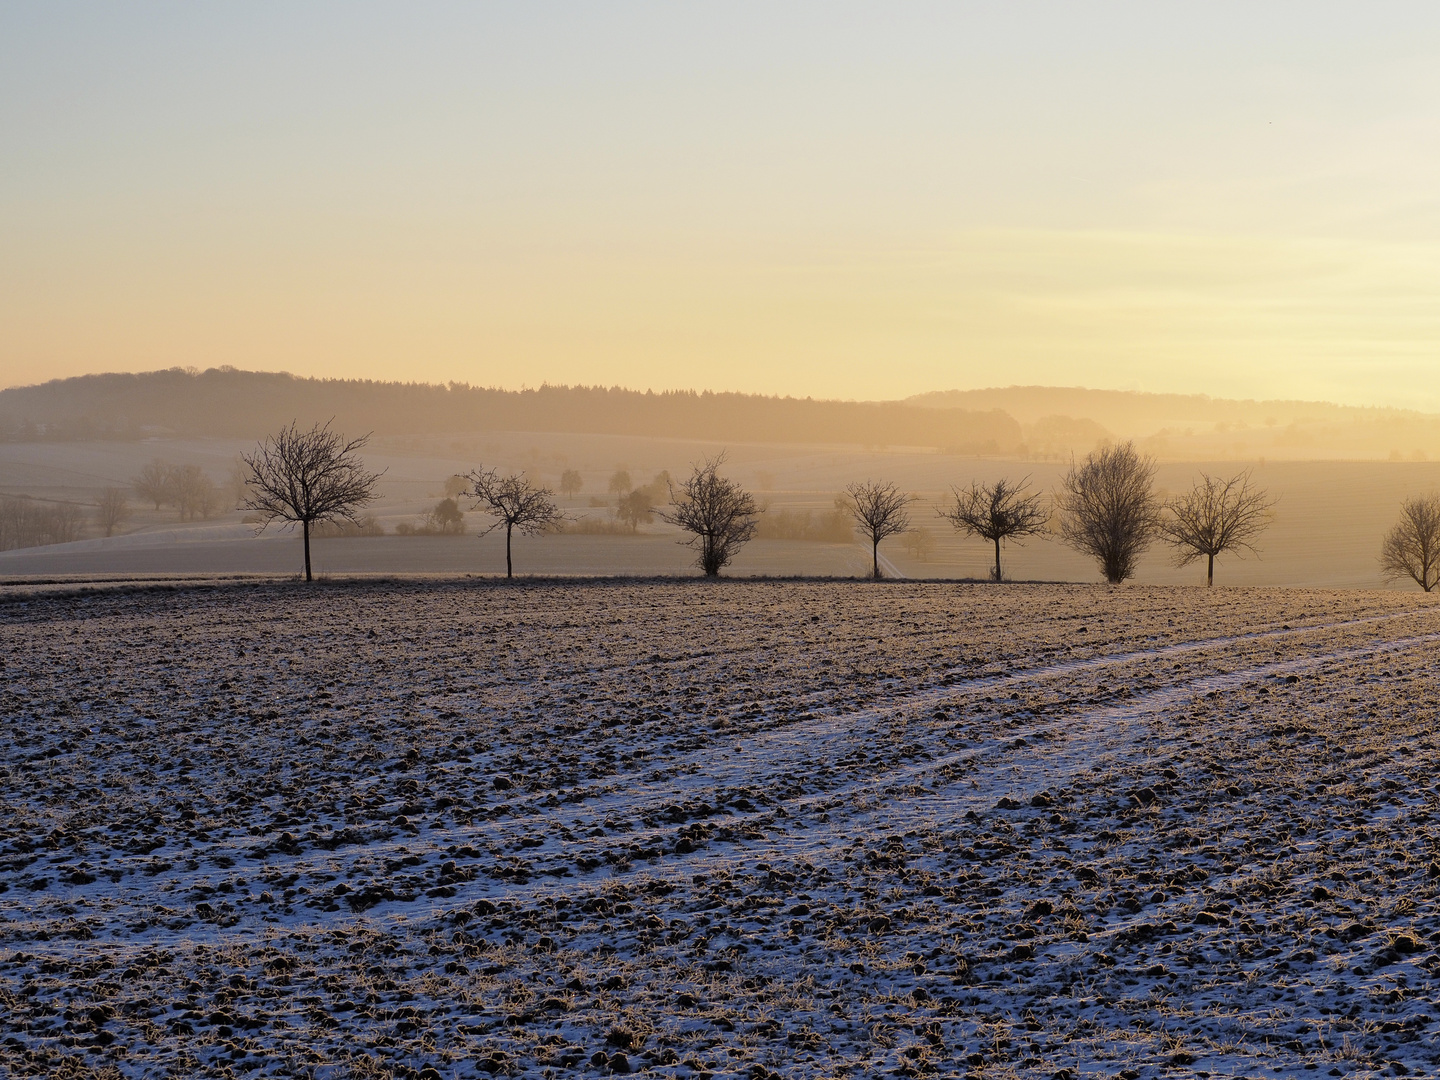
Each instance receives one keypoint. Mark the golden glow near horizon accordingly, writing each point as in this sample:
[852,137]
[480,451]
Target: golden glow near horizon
[813,199]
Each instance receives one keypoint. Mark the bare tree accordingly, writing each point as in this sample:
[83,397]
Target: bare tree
[998,511]
[1214,517]
[27,522]
[1109,508]
[515,503]
[237,483]
[570,482]
[1412,548]
[194,493]
[719,514]
[112,510]
[308,477]
[879,510]
[155,483]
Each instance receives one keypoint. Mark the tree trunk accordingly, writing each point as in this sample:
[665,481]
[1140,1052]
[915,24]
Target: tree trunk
[875,558]
[997,559]
[305,528]
[509,571]
[1210,572]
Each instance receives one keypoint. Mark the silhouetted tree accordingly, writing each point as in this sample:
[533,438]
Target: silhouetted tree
[155,483]
[1214,517]
[635,509]
[571,482]
[719,514]
[998,511]
[658,490]
[515,504]
[1109,508]
[1412,548]
[112,510]
[237,484]
[308,476]
[620,482]
[193,492]
[447,518]
[879,511]
[919,543]
[455,486]
[65,523]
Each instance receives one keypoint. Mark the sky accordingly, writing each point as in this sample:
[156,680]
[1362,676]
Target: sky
[838,200]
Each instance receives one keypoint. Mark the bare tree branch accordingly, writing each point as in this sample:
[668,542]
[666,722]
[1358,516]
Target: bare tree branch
[879,510]
[308,476]
[1214,517]
[1109,509]
[719,514]
[515,503]
[1412,548]
[998,511]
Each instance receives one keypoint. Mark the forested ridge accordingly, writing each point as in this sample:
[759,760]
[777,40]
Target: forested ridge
[246,404]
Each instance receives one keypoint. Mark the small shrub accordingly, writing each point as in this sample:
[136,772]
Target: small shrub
[364,525]
[597,526]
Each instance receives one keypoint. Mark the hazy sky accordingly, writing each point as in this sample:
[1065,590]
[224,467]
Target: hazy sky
[829,199]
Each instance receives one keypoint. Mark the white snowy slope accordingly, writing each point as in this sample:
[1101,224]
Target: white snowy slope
[693,828]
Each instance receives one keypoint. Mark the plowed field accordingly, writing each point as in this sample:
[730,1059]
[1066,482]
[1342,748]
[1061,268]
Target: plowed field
[734,828]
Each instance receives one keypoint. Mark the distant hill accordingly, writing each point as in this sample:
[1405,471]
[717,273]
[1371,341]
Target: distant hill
[1058,421]
[248,404]
[1135,412]
[1035,422]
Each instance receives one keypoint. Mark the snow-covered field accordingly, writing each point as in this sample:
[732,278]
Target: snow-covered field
[738,828]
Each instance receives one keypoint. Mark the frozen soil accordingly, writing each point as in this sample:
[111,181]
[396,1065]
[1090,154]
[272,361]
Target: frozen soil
[735,828]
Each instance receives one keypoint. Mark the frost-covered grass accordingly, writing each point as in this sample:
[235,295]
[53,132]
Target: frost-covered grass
[807,829]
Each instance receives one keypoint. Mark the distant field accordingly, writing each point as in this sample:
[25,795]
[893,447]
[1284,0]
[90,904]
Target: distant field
[449,828]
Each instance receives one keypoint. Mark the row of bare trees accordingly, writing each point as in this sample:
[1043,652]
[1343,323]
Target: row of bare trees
[1110,511]
[1107,507]
[185,487]
[309,477]
[26,522]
